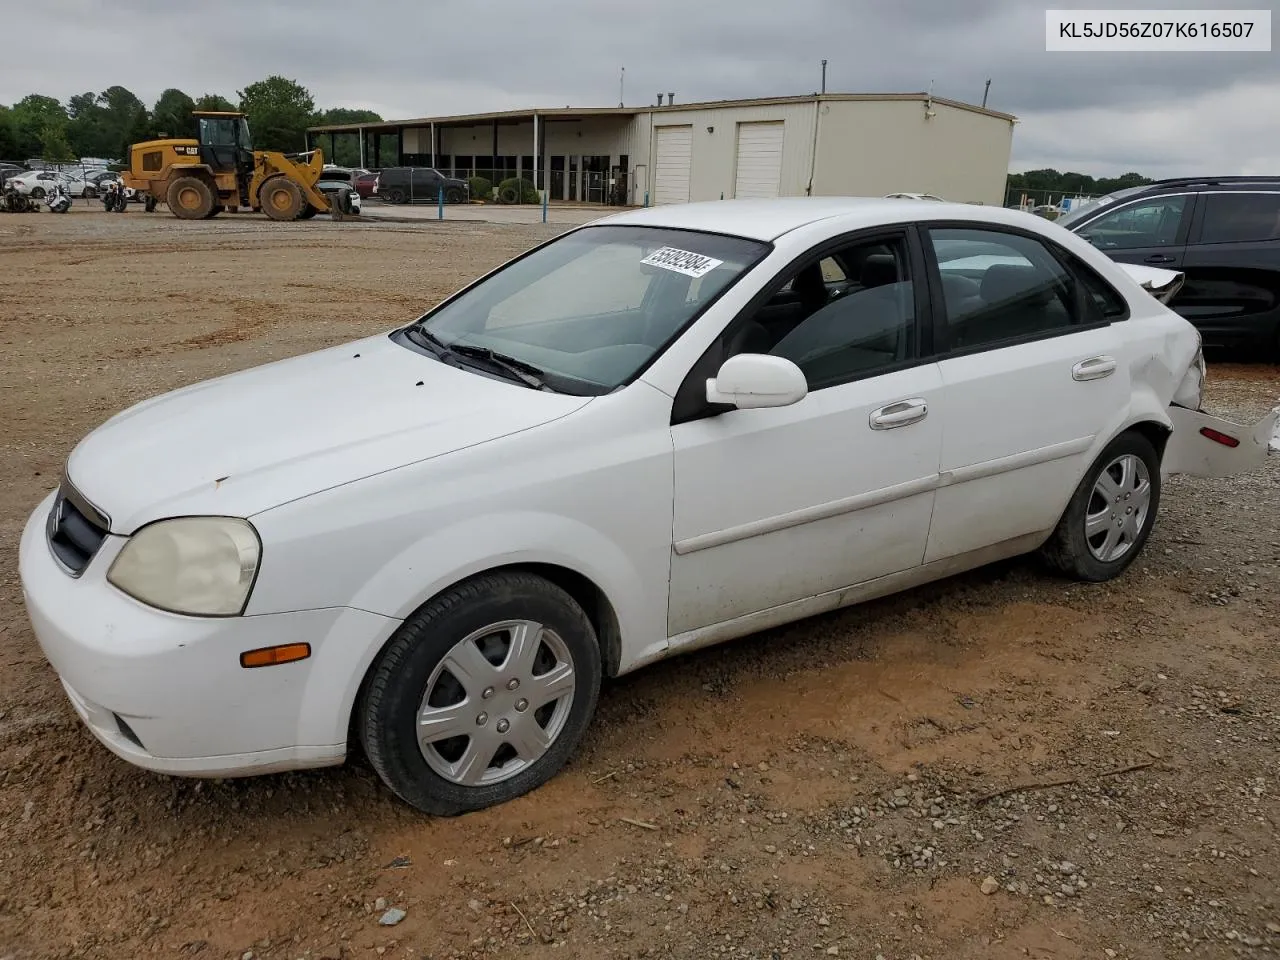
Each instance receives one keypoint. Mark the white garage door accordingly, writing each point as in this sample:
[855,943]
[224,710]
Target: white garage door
[675,150]
[759,160]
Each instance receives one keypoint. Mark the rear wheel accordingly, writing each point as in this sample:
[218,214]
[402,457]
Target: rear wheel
[190,198]
[37,193]
[308,212]
[281,199]
[481,695]
[1111,514]
[396,195]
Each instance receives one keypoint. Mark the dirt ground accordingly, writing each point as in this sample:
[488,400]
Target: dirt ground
[834,788]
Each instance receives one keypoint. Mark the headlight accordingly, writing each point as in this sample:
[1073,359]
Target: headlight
[202,566]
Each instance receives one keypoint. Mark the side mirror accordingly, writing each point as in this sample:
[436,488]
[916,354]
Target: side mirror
[752,380]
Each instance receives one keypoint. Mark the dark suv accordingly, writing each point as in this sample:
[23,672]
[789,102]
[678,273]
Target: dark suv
[406,184]
[1223,233]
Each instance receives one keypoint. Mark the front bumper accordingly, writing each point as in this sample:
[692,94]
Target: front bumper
[167,692]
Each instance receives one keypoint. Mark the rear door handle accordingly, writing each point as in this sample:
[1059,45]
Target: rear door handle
[899,414]
[1158,258]
[1095,368]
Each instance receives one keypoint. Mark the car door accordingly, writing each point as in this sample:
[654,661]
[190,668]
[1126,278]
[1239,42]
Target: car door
[1032,372]
[773,506]
[426,183]
[1150,230]
[1232,268]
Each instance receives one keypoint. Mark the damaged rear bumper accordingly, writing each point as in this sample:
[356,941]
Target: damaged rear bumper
[1208,446]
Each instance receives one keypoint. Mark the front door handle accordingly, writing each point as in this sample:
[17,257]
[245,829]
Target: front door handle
[1158,258]
[1095,368]
[899,414]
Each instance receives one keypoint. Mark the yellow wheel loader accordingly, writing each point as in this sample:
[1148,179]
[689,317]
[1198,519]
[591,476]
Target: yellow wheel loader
[220,171]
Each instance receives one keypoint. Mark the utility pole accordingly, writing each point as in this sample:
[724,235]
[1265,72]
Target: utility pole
[824,76]
[985,91]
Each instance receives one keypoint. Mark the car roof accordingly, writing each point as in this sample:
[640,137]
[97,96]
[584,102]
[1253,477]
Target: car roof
[768,219]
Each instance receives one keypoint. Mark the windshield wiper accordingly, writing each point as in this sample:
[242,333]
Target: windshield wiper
[425,338]
[526,373]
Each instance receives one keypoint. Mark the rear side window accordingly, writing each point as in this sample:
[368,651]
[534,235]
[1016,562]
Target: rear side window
[1144,223]
[1240,217]
[1001,287]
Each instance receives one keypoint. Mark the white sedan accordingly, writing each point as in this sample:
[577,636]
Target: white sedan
[37,183]
[656,432]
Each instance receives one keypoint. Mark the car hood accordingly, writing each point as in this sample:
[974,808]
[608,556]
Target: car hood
[243,443]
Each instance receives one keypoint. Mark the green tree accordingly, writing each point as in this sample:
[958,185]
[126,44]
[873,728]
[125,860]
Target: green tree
[172,114]
[1048,183]
[279,112]
[214,102]
[125,119]
[88,131]
[8,135]
[345,147]
[32,115]
[54,146]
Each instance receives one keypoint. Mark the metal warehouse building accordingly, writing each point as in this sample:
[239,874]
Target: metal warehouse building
[828,144]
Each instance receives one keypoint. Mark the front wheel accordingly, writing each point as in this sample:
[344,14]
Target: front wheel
[481,695]
[453,195]
[1110,516]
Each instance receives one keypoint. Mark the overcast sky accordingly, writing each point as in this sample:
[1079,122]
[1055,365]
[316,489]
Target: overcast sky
[1159,114]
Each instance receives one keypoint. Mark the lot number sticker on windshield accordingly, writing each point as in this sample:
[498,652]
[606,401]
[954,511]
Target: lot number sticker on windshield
[682,261]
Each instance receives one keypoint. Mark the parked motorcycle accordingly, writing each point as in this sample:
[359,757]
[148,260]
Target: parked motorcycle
[11,201]
[57,199]
[114,199]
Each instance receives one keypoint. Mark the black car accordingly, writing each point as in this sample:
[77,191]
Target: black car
[1223,233]
[406,184]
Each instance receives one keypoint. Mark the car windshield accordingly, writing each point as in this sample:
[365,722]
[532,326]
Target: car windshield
[1096,206]
[592,308]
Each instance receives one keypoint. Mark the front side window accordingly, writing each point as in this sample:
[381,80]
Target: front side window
[1240,217]
[1146,223]
[840,318]
[592,308]
[999,287]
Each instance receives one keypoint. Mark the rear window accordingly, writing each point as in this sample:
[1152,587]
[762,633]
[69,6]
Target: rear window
[1240,217]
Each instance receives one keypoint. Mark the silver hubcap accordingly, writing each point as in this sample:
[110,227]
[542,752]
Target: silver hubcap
[1117,512]
[496,703]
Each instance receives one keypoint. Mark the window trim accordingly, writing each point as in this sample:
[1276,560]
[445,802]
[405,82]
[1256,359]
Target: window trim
[1180,238]
[1196,235]
[941,331]
[690,401]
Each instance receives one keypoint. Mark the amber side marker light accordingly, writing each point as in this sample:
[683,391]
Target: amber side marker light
[270,656]
[1218,436]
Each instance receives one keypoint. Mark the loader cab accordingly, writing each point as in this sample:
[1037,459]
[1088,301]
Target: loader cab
[225,144]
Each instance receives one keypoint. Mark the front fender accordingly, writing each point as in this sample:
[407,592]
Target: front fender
[446,556]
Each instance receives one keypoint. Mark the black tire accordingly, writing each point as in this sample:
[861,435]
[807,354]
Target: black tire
[308,212]
[37,193]
[1068,550]
[508,195]
[387,712]
[453,195]
[190,198]
[281,199]
[396,195]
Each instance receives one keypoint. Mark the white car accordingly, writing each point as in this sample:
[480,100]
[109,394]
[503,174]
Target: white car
[656,432]
[36,183]
[915,196]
